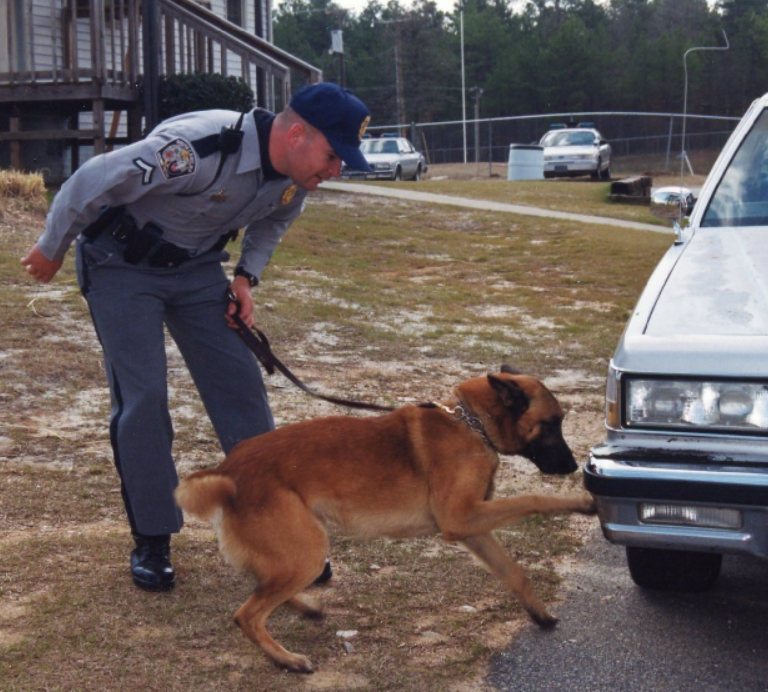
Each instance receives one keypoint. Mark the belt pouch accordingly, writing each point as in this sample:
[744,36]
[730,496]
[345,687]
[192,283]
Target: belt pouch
[140,241]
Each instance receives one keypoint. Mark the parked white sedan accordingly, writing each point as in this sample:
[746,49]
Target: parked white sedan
[570,152]
[391,158]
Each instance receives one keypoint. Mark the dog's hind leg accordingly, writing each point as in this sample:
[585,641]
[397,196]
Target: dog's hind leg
[491,553]
[252,617]
[287,547]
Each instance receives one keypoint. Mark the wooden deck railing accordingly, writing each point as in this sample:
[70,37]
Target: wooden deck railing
[66,42]
[88,55]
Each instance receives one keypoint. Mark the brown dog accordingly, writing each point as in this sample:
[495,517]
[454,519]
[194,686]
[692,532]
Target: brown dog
[414,472]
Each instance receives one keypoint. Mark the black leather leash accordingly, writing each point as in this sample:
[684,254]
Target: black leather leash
[257,341]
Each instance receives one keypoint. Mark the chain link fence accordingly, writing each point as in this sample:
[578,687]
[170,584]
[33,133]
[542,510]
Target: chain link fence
[653,137]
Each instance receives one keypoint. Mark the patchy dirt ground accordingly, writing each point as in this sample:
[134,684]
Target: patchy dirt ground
[53,421]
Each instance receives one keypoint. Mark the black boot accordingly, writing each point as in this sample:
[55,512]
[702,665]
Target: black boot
[151,563]
[326,574]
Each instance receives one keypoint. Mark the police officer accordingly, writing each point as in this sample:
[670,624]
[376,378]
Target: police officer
[150,222]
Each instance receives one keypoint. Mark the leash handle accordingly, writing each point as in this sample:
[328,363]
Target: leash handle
[257,341]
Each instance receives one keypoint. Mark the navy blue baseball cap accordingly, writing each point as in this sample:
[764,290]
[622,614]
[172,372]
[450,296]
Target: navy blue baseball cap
[339,115]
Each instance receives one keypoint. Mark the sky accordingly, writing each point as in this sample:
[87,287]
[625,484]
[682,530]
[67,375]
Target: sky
[358,5]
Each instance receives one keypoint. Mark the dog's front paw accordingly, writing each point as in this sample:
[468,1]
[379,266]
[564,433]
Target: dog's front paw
[587,505]
[543,619]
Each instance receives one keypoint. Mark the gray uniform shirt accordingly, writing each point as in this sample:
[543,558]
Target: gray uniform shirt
[163,179]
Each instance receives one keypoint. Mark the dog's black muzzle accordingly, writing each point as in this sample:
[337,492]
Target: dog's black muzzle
[555,458]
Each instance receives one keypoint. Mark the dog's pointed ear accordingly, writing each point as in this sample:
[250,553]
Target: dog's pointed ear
[505,367]
[511,394]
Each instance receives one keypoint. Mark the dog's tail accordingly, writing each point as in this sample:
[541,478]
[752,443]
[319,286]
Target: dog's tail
[203,493]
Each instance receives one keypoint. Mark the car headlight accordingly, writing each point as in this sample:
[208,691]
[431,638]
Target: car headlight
[585,157]
[663,403]
[382,166]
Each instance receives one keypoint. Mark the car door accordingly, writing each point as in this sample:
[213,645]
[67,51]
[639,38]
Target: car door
[409,158]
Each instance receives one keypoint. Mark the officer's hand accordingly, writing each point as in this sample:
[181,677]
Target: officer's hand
[39,266]
[242,290]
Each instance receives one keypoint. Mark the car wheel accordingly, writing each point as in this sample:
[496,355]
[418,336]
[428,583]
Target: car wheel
[398,173]
[417,176]
[596,173]
[673,570]
[606,174]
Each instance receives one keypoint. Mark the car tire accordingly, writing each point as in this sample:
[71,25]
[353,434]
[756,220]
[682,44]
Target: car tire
[417,175]
[596,173]
[606,174]
[398,173]
[673,570]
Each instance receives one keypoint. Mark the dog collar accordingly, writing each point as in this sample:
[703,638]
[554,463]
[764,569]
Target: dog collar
[461,412]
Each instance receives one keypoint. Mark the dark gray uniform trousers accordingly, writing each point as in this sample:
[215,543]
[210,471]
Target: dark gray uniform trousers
[129,305]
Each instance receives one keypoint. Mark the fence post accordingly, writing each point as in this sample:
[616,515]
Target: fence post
[490,148]
[669,142]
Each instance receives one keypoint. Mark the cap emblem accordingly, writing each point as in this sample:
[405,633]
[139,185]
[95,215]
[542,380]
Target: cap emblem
[363,127]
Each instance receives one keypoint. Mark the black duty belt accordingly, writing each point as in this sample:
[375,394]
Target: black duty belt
[145,242]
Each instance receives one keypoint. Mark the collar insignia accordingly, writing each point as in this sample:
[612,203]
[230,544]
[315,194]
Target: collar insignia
[289,194]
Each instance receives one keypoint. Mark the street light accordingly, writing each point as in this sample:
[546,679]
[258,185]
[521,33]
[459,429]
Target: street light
[684,155]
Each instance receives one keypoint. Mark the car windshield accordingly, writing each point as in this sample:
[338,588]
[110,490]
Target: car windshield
[379,146]
[567,139]
[741,198]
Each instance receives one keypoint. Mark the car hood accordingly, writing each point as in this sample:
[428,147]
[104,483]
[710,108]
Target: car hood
[381,158]
[570,150]
[705,310]
[718,286]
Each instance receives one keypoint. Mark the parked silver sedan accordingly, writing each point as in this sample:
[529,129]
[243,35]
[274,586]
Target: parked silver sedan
[570,152]
[682,476]
[391,158]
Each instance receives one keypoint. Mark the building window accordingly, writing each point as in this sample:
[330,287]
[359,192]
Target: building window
[235,11]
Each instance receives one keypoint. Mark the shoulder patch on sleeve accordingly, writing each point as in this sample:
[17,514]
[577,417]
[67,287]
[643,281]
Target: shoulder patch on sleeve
[177,158]
[146,168]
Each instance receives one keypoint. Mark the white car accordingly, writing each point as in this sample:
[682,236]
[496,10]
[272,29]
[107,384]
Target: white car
[391,158]
[571,152]
[682,476]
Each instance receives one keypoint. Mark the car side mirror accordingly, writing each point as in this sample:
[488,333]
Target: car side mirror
[672,202]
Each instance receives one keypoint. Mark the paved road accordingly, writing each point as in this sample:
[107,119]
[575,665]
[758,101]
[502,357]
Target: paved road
[615,637]
[490,206]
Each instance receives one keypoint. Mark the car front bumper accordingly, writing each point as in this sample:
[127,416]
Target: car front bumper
[375,175]
[565,168]
[621,486]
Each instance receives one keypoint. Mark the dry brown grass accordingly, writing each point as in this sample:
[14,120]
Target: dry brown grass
[373,299]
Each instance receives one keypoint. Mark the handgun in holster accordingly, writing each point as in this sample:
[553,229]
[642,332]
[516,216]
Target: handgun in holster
[109,219]
[141,241]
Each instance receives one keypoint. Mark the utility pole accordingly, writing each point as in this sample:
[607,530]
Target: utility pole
[399,95]
[337,47]
[463,87]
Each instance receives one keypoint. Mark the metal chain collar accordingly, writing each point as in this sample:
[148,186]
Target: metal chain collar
[460,412]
